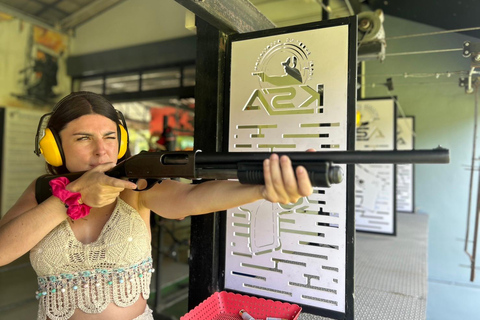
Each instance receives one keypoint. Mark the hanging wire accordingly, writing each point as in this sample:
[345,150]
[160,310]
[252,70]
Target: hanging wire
[409,84]
[432,33]
[349,6]
[422,52]
[325,7]
[402,112]
[417,74]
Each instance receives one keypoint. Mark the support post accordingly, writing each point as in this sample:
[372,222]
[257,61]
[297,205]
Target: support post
[205,229]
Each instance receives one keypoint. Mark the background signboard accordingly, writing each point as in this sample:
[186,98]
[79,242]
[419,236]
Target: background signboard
[405,172]
[375,183]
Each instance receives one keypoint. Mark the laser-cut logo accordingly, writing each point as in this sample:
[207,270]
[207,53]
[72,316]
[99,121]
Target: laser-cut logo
[283,69]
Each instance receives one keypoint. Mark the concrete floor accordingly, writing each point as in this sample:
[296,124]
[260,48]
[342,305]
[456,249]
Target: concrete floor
[391,272]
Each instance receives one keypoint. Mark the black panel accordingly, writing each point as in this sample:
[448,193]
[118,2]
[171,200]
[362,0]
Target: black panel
[183,92]
[445,14]
[165,53]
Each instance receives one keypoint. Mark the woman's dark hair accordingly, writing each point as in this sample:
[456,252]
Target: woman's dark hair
[72,107]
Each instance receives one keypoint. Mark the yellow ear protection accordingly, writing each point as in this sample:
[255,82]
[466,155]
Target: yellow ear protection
[49,145]
[122,133]
[47,141]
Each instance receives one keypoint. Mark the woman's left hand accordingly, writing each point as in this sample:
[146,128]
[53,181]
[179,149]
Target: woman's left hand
[283,183]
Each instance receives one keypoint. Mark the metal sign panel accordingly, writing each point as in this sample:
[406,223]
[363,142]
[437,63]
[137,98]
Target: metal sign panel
[375,183]
[405,172]
[290,91]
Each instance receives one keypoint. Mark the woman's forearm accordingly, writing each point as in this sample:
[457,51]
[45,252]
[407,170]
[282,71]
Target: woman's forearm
[283,184]
[173,200]
[221,195]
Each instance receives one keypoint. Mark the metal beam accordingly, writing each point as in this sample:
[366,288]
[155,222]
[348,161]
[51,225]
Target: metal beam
[86,13]
[231,16]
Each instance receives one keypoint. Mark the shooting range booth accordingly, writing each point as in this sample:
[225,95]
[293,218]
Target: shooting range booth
[267,89]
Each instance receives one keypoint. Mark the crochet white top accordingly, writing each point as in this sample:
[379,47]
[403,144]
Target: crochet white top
[116,268]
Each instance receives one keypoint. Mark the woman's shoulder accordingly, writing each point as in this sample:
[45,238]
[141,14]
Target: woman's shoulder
[29,192]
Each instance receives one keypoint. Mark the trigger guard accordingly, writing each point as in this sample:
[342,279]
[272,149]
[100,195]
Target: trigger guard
[150,183]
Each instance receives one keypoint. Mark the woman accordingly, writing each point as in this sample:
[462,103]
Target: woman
[90,241]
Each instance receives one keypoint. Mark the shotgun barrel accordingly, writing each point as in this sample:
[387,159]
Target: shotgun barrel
[247,167]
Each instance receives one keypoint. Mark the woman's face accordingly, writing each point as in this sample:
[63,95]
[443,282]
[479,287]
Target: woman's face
[89,141]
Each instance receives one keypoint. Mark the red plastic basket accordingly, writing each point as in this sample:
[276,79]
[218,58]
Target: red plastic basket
[226,305]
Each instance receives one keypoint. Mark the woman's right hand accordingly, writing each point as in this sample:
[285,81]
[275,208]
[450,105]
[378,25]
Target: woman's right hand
[98,189]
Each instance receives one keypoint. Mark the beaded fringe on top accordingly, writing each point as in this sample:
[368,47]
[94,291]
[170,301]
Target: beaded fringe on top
[94,292]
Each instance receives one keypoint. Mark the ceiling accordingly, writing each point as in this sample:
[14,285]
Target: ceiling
[445,14]
[60,14]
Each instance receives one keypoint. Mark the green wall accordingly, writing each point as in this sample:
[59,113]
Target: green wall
[443,116]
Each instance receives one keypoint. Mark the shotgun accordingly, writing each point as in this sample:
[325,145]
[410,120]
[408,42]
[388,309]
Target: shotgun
[247,167]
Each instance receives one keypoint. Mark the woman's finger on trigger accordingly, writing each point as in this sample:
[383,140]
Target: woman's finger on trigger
[125,184]
[119,183]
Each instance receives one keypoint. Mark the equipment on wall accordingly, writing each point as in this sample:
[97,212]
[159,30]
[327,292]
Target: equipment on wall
[371,36]
[472,51]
